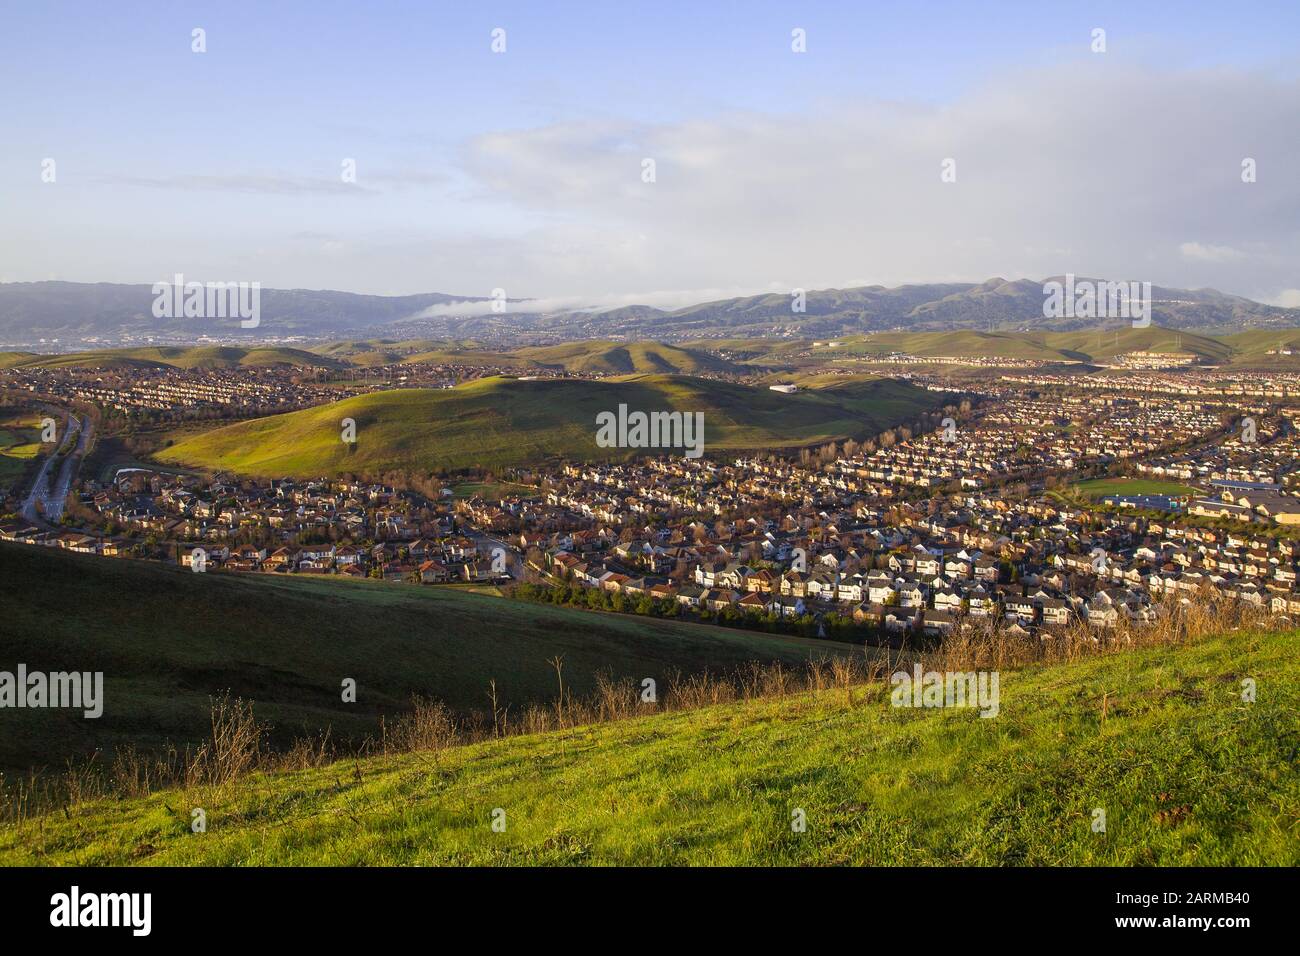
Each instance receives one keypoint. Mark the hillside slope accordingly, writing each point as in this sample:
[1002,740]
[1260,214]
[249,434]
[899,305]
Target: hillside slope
[624,358]
[167,639]
[1250,349]
[733,355]
[497,422]
[191,357]
[1100,345]
[1158,739]
[590,357]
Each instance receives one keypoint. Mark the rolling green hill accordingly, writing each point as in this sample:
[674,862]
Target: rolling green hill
[1107,344]
[365,353]
[166,639]
[982,344]
[1250,349]
[1102,345]
[345,349]
[1158,739]
[591,357]
[623,358]
[751,353]
[13,359]
[449,355]
[369,353]
[204,356]
[498,422]
[1099,345]
[729,355]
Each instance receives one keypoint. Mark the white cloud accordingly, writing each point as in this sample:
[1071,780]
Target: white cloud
[1098,170]
[666,299]
[1091,167]
[1205,253]
[1286,299]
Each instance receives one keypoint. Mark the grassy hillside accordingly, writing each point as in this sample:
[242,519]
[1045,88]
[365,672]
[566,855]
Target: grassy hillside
[600,357]
[1159,739]
[1107,344]
[623,358]
[207,356]
[448,355]
[12,359]
[1101,345]
[497,422]
[166,639]
[999,344]
[591,357]
[1241,350]
[1250,349]
[369,353]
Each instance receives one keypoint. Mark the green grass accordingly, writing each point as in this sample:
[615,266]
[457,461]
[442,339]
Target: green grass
[1107,345]
[989,344]
[13,359]
[20,442]
[623,358]
[1250,349]
[499,422]
[13,460]
[1240,350]
[1104,345]
[600,357]
[205,356]
[594,357]
[491,490]
[368,353]
[1134,486]
[167,639]
[1185,770]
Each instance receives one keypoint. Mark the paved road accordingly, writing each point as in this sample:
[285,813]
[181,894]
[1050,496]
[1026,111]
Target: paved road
[53,494]
[41,485]
[487,544]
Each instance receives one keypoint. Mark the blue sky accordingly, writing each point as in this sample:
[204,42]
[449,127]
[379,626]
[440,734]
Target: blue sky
[478,170]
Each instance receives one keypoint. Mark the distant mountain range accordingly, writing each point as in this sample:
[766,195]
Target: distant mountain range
[106,313]
[80,311]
